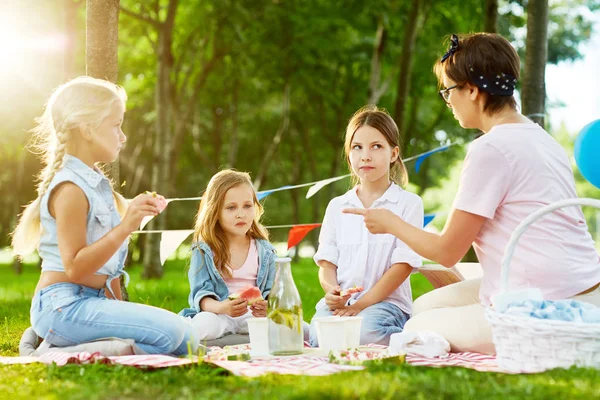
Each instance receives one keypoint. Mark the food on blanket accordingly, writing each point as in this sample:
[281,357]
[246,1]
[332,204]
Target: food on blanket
[239,357]
[290,318]
[251,294]
[360,356]
[229,353]
[352,290]
[161,202]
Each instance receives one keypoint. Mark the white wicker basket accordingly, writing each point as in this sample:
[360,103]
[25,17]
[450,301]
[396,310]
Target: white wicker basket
[526,344]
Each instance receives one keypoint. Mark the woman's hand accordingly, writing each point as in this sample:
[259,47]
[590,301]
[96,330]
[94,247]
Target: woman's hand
[377,220]
[348,311]
[334,300]
[234,308]
[259,309]
[144,205]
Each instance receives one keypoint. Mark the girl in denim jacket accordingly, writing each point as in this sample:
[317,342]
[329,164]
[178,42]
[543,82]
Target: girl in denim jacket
[81,226]
[230,252]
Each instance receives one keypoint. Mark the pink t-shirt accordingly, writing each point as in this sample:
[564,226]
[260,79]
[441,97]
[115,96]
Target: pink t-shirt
[245,275]
[509,173]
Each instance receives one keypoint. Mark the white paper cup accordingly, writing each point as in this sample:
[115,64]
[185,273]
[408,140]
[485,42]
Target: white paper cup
[259,336]
[338,333]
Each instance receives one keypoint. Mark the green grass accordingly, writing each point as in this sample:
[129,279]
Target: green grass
[204,381]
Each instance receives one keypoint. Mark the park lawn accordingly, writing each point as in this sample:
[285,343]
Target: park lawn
[204,381]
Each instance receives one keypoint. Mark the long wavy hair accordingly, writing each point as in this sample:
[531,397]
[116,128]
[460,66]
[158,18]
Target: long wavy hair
[81,102]
[207,227]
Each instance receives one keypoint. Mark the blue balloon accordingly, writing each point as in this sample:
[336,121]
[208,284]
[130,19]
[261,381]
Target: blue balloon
[587,152]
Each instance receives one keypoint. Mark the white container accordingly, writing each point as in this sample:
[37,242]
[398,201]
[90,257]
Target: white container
[258,329]
[338,333]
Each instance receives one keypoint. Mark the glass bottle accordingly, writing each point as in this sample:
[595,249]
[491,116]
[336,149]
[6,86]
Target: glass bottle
[284,312]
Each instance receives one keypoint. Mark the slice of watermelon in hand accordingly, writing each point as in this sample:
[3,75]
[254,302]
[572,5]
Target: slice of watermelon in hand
[352,290]
[251,294]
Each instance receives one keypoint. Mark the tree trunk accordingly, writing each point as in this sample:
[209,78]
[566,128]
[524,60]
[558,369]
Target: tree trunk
[234,141]
[536,54]
[375,91]
[101,54]
[294,179]
[406,60]
[491,16]
[162,139]
[101,57]
[283,128]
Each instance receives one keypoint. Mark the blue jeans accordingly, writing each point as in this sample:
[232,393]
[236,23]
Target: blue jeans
[379,322]
[66,314]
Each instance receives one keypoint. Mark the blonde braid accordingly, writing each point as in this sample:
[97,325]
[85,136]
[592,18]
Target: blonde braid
[27,234]
[57,163]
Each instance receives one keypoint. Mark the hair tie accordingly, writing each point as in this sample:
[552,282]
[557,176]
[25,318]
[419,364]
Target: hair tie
[453,47]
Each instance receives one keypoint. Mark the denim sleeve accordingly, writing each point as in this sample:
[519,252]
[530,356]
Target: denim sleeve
[271,270]
[201,284]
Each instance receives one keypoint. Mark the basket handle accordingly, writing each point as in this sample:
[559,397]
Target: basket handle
[522,227]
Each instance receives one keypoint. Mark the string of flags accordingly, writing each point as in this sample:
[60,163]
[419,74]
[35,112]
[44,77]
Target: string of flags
[171,239]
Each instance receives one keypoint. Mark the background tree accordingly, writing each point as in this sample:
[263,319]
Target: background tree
[536,54]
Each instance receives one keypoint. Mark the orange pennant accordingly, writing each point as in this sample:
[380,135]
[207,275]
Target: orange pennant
[297,233]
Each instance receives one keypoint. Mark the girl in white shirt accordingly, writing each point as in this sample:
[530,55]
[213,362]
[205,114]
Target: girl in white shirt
[348,255]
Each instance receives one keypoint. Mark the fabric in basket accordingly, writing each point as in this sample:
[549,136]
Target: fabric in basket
[560,310]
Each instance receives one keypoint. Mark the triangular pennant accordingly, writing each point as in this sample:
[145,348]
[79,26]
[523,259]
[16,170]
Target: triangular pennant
[321,184]
[262,195]
[427,154]
[297,233]
[149,218]
[265,193]
[170,241]
[427,219]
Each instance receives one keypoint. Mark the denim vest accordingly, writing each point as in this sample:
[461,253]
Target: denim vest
[205,280]
[101,218]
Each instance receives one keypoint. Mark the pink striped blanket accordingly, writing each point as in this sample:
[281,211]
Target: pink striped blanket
[295,365]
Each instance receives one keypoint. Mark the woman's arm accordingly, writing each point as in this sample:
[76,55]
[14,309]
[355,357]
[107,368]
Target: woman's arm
[389,282]
[446,248]
[69,206]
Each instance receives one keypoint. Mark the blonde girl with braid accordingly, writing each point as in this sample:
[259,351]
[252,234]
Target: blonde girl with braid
[80,227]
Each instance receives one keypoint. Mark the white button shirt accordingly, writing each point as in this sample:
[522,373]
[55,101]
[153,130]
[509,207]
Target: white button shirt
[361,257]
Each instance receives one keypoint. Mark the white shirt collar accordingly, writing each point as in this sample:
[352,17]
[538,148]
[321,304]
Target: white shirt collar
[392,195]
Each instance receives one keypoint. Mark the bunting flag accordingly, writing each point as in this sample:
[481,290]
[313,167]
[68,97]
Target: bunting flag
[423,156]
[170,241]
[321,184]
[316,186]
[265,193]
[149,218]
[298,232]
[428,218]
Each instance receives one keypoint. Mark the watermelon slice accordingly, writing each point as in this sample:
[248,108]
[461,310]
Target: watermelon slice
[251,294]
[161,203]
[352,290]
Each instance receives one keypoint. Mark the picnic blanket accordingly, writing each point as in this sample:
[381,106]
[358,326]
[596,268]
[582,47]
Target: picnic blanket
[293,365]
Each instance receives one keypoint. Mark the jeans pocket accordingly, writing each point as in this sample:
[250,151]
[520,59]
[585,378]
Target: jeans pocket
[58,339]
[58,301]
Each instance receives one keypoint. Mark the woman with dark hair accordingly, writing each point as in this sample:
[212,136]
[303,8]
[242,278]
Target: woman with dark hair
[509,172]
